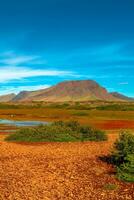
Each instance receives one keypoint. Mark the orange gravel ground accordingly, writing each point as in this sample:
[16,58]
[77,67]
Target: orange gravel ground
[59,171]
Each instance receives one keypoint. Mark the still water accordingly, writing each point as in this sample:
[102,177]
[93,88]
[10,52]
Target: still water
[21,123]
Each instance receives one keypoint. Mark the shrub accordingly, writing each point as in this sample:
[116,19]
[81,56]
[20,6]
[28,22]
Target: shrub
[74,125]
[99,135]
[123,147]
[126,170]
[123,156]
[44,133]
[86,132]
[58,131]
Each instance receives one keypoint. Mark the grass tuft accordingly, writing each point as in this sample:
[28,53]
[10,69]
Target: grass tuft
[110,186]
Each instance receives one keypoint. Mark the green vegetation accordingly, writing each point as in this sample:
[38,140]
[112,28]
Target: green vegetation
[123,147]
[5,106]
[119,107]
[91,105]
[123,156]
[58,132]
[110,186]
[126,170]
[80,113]
[8,106]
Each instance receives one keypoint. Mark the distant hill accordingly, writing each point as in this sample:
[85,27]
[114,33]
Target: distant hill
[82,90]
[121,96]
[7,98]
[68,91]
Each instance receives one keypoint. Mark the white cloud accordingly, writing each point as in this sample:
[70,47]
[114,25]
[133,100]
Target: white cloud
[15,67]
[11,58]
[123,83]
[18,60]
[16,73]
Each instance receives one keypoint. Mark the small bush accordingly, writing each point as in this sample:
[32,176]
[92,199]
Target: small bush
[123,156]
[58,131]
[99,135]
[44,133]
[86,132]
[123,147]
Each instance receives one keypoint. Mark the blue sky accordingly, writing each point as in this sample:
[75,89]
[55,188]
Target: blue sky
[43,42]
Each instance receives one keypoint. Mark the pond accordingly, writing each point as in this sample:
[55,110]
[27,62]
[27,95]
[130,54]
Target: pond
[21,123]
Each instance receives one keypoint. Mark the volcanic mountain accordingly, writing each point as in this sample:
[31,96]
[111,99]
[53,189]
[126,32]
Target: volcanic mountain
[67,91]
[82,90]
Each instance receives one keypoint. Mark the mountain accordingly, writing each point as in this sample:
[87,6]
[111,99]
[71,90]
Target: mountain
[121,96]
[21,96]
[68,91]
[83,90]
[7,98]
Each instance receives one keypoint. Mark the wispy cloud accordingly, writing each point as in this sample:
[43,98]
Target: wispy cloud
[11,58]
[18,60]
[123,83]
[15,73]
[16,67]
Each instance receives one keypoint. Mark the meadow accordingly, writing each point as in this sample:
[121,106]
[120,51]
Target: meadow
[103,115]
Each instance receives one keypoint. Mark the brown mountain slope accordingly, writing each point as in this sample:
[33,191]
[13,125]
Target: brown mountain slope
[7,98]
[121,96]
[68,91]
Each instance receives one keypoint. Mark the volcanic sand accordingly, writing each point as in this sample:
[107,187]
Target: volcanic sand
[54,171]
